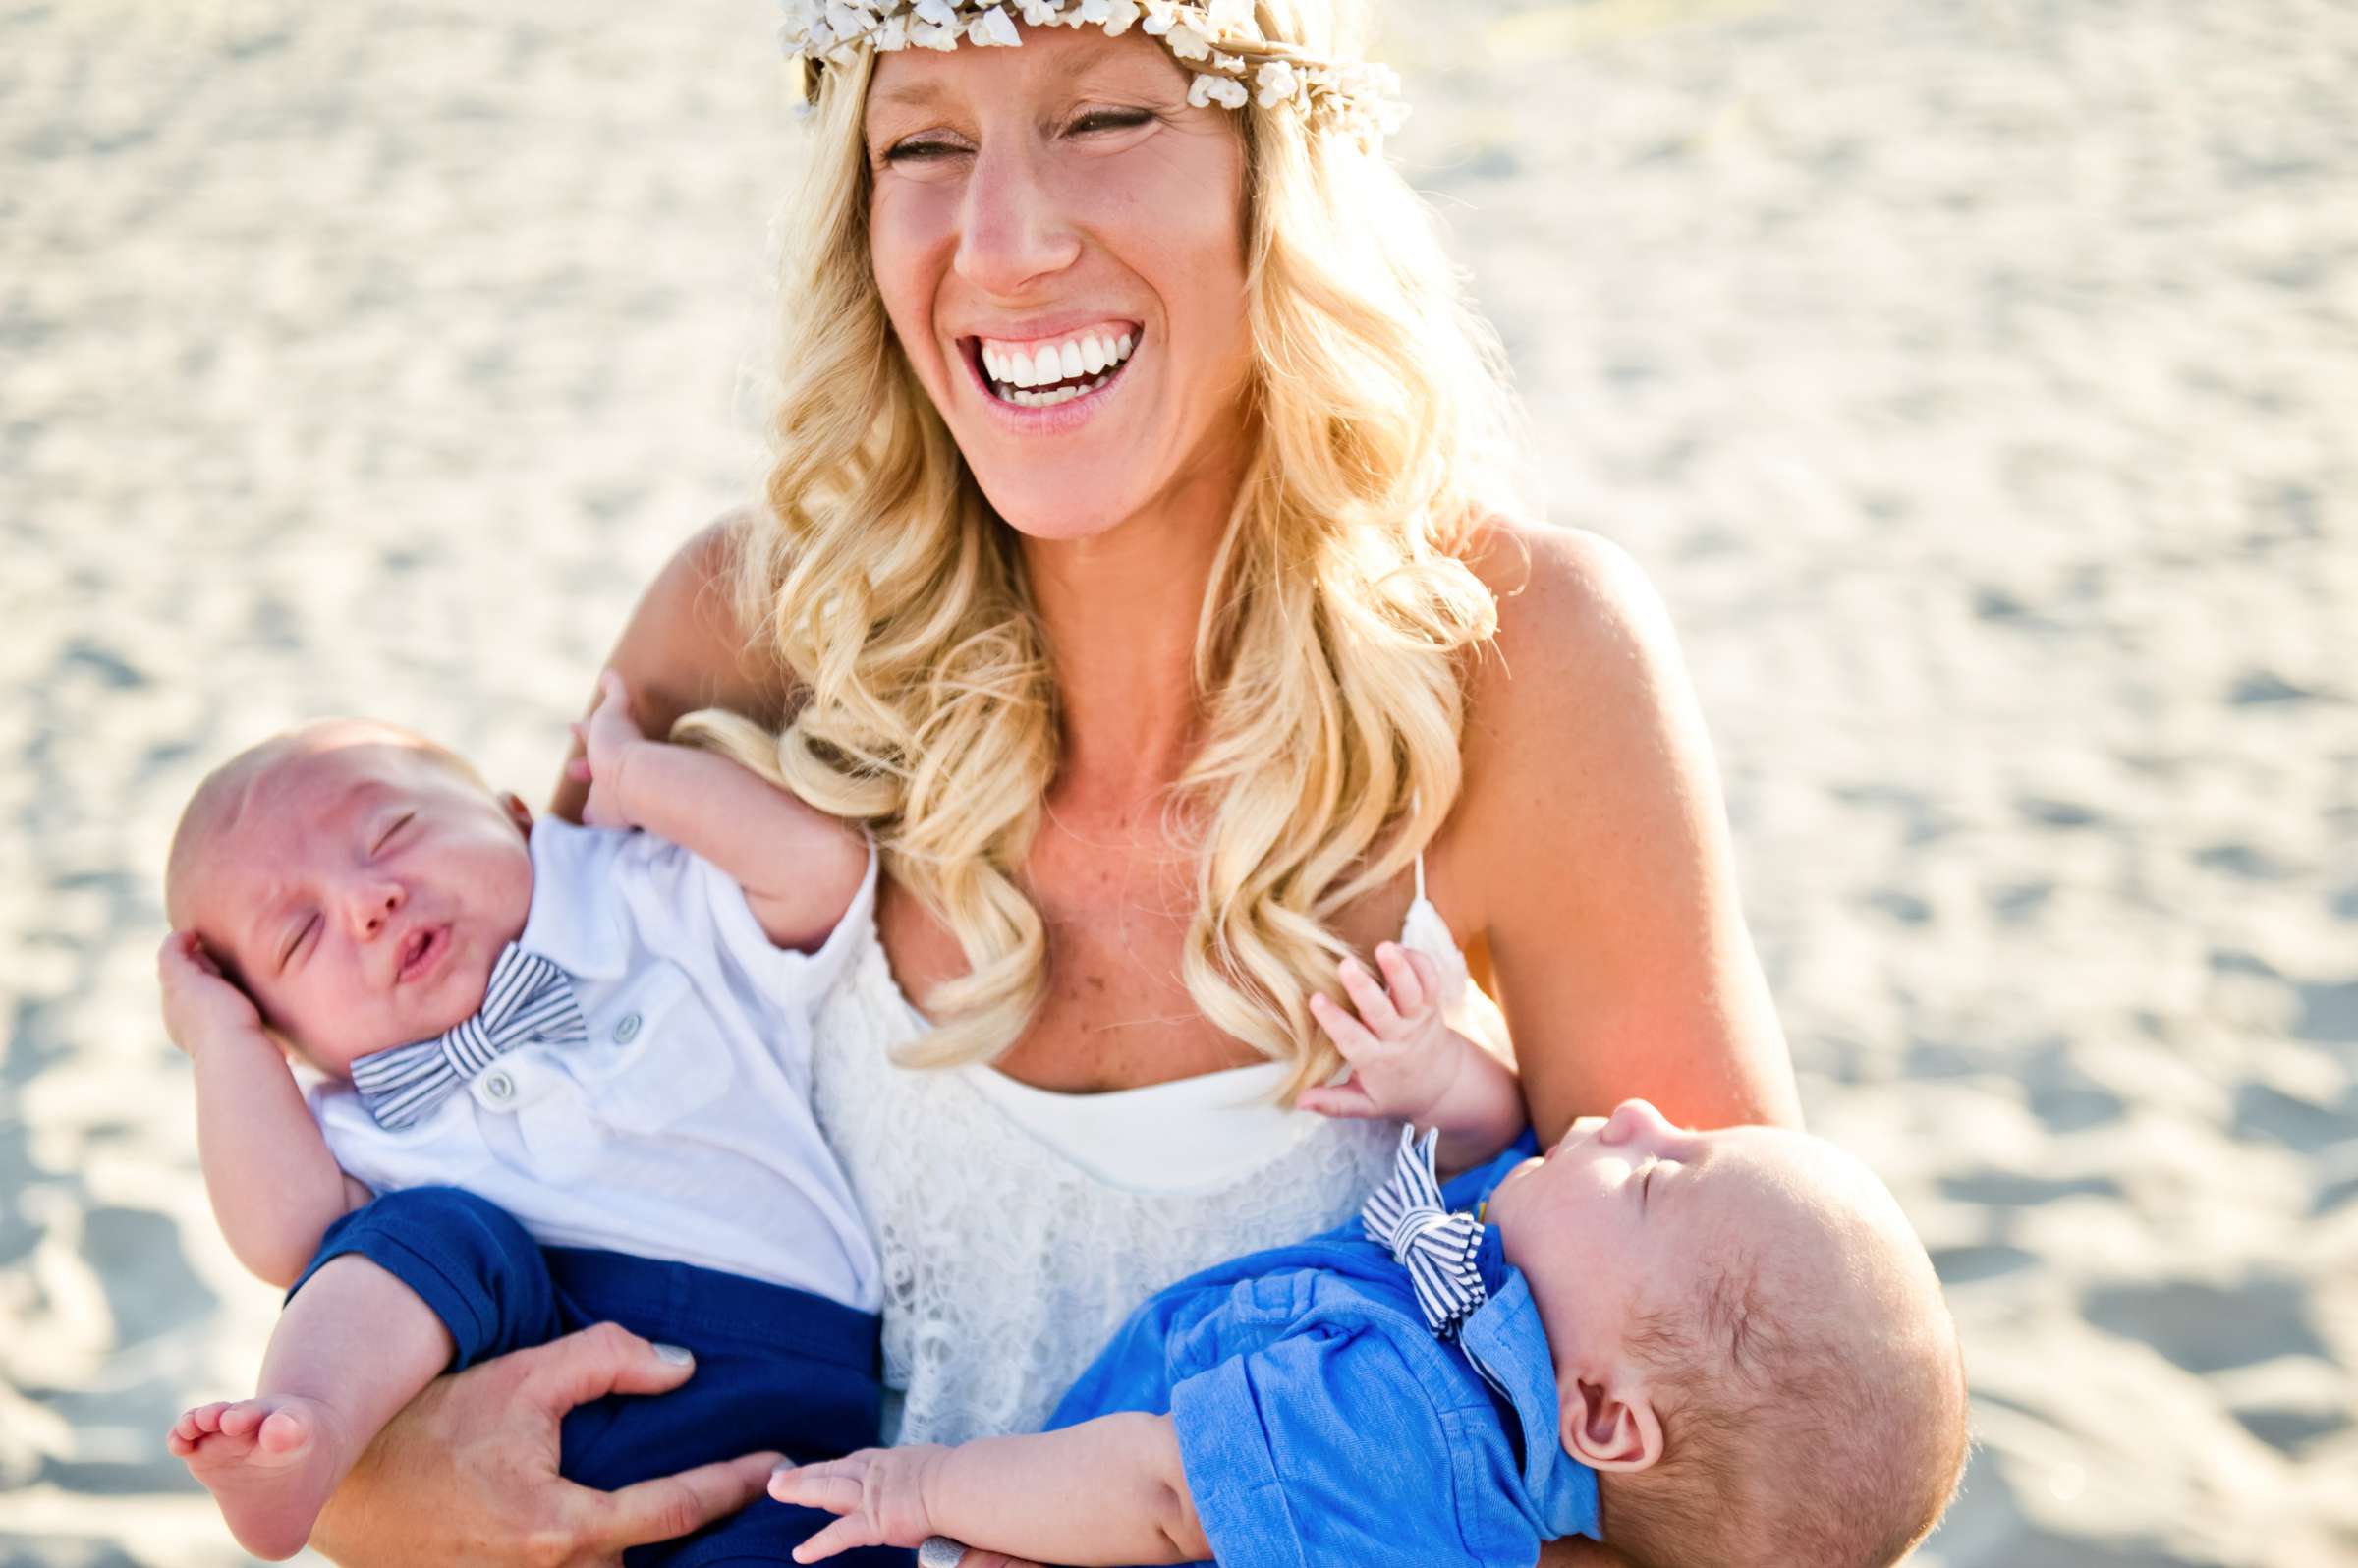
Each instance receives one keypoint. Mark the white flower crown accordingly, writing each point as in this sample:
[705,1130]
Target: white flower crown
[1217,37]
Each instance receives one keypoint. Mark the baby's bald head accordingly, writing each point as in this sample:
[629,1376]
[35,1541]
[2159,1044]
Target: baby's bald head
[356,880]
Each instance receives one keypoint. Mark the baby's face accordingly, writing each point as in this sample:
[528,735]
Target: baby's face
[1628,1215]
[359,887]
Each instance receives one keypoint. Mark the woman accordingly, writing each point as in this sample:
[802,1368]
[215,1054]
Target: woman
[1168,671]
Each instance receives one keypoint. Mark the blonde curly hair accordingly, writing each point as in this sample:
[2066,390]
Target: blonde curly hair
[1330,649]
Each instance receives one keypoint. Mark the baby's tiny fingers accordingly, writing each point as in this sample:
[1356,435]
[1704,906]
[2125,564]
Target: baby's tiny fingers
[1345,1101]
[1366,995]
[1410,994]
[1349,1035]
[841,1535]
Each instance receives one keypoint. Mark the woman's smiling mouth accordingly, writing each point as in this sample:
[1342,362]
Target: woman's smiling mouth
[1049,372]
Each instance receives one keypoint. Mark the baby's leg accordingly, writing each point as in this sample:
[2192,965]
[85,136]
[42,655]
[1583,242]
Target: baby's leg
[421,1281]
[354,1346]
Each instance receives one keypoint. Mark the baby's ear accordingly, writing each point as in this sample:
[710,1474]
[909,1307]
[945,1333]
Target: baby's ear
[518,813]
[1611,1425]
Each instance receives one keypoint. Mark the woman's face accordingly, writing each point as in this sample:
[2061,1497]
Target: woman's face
[1063,196]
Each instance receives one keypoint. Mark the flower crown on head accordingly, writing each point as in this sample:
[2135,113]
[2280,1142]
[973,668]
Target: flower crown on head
[1217,38]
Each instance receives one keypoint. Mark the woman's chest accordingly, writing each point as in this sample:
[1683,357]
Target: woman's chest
[1117,1012]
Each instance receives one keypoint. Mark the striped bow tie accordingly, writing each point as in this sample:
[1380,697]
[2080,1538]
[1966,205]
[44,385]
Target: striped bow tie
[529,1000]
[1438,1248]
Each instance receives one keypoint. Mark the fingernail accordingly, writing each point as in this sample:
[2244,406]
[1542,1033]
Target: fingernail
[784,1467]
[677,1355]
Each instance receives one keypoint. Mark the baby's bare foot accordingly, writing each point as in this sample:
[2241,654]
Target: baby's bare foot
[269,1463]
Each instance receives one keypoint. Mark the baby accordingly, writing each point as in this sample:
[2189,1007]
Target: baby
[1703,1349]
[567,1081]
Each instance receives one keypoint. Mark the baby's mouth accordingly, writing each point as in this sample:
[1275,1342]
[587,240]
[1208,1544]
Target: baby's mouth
[420,951]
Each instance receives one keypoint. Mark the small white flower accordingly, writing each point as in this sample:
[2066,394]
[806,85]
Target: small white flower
[1222,90]
[1121,16]
[1230,15]
[937,12]
[1231,63]
[1277,83]
[1186,43]
[1039,13]
[993,28]
[893,36]
[1160,13]
[1090,11]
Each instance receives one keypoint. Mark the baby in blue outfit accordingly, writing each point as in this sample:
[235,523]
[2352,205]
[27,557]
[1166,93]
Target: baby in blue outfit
[1702,1348]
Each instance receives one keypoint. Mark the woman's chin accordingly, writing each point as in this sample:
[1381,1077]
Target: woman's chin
[1052,506]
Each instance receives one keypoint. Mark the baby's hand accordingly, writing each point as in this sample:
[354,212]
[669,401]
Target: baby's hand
[1403,1053]
[201,1005]
[606,737]
[880,1493]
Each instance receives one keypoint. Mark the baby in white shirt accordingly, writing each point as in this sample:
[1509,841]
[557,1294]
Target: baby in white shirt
[566,1079]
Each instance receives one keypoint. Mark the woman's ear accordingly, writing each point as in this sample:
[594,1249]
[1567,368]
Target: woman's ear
[1612,1426]
[518,813]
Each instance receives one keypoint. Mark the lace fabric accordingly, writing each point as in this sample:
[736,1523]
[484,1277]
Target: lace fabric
[1007,1263]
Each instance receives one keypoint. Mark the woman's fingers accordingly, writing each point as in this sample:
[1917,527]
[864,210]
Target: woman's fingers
[607,1359]
[673,1506]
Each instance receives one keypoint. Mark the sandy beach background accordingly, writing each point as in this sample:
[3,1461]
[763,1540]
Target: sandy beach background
[1978,378]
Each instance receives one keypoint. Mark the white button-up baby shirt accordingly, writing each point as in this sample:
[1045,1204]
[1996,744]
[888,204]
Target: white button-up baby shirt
[682,1128]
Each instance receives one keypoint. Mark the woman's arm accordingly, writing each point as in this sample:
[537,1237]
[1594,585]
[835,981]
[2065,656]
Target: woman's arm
[1591,846]
[683,649]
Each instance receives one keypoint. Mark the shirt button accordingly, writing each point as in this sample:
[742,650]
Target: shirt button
[625,1030]
[498,1085]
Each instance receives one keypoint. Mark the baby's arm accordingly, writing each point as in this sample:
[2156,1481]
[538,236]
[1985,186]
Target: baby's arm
[1110,1491]
[798,865]
[274,1187]
[1408,1064]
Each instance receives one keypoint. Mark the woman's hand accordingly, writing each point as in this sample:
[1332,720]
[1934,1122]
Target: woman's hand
[466,1477]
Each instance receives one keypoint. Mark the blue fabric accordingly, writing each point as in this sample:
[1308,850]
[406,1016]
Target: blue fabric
[776,1368]
[1320,1420]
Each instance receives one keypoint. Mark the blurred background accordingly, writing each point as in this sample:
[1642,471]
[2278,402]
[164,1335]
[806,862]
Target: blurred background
[1976,378]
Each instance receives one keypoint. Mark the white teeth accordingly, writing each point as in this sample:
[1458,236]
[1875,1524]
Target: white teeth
[1015,372]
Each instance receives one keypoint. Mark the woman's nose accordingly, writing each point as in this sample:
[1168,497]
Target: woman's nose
[1013,231]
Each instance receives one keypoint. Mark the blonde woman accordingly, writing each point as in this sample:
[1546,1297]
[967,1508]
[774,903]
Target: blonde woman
[1137,564]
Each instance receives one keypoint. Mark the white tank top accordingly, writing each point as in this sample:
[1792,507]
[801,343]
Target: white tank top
[1019,1227]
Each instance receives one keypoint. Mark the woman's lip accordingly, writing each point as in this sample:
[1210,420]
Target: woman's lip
[1057,417]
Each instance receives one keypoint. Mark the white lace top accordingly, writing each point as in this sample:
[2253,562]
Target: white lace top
[1018,1227]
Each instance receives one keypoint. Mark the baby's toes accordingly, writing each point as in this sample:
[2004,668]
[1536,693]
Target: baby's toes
[240,1419]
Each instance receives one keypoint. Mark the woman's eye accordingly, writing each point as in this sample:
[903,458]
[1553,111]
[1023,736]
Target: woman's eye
[919,151]
[1111,119]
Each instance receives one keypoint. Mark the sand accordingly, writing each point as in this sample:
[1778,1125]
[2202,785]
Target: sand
[1977,380]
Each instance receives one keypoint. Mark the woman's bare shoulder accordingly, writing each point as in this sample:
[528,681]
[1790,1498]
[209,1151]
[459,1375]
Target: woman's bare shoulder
[1584,651]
